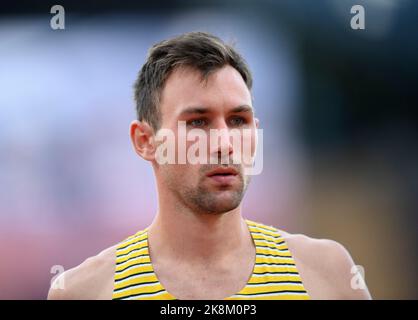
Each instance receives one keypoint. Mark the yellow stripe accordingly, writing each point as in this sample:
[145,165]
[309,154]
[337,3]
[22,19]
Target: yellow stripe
[256,224]
[274,268]
[278,277]
[132,262]
[137,281]
[128,241]
[271,288]
[266,237]
[269,233]
[141,243]
[262,242]
[164,295]
[135,271]
[273,252]
[146,289]
[134,248]
[143,251]
[275,297]
[160,296]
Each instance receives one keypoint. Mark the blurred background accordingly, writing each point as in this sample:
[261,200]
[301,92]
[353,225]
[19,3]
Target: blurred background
[337,105]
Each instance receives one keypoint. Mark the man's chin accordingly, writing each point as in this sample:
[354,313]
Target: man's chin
[223,201]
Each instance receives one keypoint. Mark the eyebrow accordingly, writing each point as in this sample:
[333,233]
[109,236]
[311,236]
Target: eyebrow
[243,108]
[204,110]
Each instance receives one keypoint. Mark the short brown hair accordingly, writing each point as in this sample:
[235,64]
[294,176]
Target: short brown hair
[199,50]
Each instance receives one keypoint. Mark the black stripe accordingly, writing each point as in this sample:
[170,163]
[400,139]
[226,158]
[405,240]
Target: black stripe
[272,255]
[141,255]
[266,232]
[132,244]
[133,275]
[133,265]
[270,292]
[264,228]
[266,235]
[274,264]
[269,282]
[271,248]
[277,236]
[121,248]
[138,294]
[277,272]
[263,238]
[272,242]
[136,284]
[125,254]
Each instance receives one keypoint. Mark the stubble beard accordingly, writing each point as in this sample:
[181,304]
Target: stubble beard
[203,199]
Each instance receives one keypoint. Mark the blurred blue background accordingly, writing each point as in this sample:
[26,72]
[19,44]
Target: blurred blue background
[338,109]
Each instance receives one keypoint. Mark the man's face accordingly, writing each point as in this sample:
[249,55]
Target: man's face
[220,104]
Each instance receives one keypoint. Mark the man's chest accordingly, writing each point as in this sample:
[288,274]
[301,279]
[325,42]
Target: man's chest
[186,282]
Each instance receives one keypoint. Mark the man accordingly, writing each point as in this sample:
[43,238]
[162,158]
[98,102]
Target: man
[199,246]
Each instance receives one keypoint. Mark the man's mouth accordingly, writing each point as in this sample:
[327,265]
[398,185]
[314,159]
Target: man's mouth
[223,175]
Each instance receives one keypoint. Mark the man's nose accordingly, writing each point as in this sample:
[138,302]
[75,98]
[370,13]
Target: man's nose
[220,141]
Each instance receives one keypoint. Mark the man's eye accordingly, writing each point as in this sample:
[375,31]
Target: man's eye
[197,122]
[237,121]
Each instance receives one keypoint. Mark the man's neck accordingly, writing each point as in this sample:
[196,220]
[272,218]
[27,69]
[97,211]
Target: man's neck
[198,237]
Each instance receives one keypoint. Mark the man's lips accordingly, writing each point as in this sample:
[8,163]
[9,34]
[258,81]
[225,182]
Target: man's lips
[222,172]
[223,175]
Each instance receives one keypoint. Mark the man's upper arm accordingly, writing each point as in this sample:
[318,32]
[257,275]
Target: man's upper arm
[74,284]
[64,287]
[92,279]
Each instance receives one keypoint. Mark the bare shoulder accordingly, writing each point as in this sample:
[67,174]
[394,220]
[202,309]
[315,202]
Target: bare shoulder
[326,268]
[315,251]
[91,280]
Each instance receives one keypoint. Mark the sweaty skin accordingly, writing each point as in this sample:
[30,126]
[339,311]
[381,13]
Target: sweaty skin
[199,227]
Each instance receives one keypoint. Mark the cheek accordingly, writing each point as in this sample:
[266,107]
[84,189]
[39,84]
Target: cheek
[255,136]
[181,146]
[253,142]
[249,143]
[180,174]
[191,172]
[170,172]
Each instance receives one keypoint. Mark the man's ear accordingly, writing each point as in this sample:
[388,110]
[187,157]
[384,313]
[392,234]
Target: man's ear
[257,122]
[142,137]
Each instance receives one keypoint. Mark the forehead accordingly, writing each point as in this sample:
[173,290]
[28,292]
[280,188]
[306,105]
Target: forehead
[224,89]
